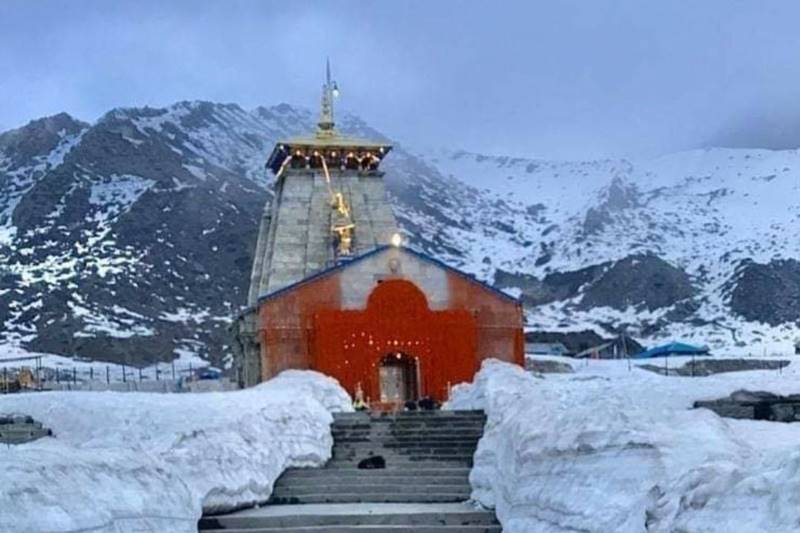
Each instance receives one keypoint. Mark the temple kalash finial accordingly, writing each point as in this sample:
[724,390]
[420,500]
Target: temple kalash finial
[329,91]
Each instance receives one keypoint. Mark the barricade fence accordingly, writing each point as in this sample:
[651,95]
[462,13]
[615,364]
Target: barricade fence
[163,377]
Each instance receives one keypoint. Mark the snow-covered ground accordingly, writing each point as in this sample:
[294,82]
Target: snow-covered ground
[612,449]
[153,462]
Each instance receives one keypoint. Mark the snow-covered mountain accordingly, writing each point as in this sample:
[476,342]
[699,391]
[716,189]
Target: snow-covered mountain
[700,245]
[131,239]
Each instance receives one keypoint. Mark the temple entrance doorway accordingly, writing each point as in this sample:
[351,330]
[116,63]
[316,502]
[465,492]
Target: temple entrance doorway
[399,378]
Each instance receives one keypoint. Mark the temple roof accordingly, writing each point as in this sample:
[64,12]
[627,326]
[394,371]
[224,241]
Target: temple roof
[330,145]
[380,249]
[327,141]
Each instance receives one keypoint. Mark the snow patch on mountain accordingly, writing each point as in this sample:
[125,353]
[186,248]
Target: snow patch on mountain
[17,178]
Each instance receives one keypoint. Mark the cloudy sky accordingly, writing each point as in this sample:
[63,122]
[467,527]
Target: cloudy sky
[563,79]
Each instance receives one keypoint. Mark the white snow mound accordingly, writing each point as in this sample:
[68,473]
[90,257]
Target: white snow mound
[153,462]
[612,449]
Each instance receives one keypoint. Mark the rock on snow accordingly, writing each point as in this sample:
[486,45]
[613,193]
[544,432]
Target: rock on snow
[154,462]
[610,449]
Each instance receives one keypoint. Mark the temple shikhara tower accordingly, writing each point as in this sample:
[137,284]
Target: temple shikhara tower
[330,204]
[334,290]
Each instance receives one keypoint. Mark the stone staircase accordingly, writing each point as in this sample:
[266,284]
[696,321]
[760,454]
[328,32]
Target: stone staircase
[422,488]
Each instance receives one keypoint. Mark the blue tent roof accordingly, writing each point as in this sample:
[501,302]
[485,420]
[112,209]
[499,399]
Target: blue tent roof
[673,348]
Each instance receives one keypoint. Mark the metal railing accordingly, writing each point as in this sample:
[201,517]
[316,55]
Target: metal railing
[163,377]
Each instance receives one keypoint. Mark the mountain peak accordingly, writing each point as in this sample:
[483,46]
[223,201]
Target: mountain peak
[46,125]
[39,137]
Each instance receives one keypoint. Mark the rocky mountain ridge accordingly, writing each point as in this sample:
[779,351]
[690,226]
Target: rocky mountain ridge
[131,239]
[700,245]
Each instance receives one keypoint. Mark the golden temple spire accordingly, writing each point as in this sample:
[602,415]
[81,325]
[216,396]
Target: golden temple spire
[329,91]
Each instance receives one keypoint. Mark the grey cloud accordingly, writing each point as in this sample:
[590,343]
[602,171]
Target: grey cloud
[553,79]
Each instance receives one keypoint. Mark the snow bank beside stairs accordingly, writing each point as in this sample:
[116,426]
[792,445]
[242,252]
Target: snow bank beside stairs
[622,452]
[153,462]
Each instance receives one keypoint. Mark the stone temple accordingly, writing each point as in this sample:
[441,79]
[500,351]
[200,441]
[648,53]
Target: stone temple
[333,288]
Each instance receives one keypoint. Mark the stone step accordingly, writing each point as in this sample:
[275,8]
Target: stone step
[343,465]
[408,430]
[409,421]
[367,529]
[399,458]
[404,448]
[299,481]
[386,428]
[405,444]
[411,431]
[447,470]
[406,439]
[354,497]
[403,436]
[475,422]
[453,496]
[405,461]
[409,443]
[284,490]
[428,436]
[408,415]
[355,515]
[392,456]
[414,445]
[418,422]
[412,424]
[347,461]
[415,434]
[419,454]
[370,451]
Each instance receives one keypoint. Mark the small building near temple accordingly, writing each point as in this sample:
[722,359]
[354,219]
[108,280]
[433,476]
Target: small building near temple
[334,290]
